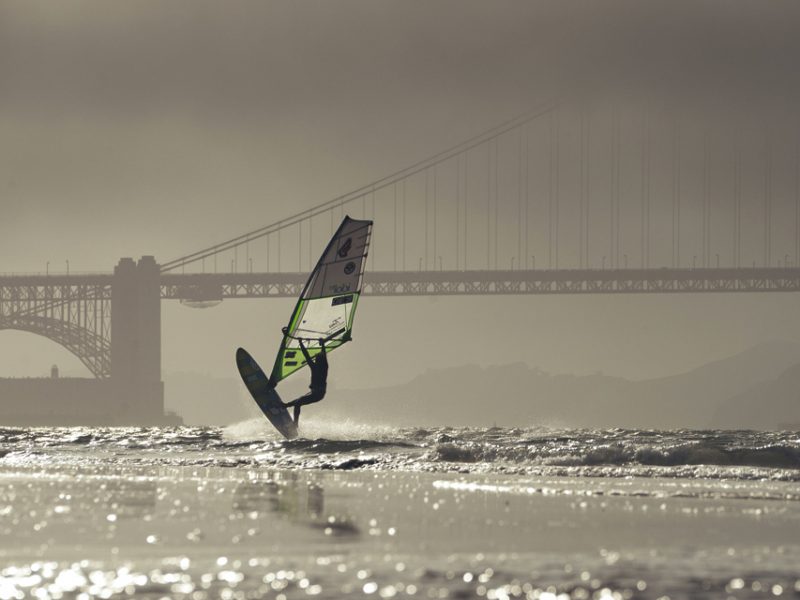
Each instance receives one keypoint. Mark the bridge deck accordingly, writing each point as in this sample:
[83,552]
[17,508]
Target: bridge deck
[210,287]
[200,287]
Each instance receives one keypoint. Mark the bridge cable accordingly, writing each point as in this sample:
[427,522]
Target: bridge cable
[413,169]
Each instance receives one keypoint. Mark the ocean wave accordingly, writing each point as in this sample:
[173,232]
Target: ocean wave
[574,451]
[351,445]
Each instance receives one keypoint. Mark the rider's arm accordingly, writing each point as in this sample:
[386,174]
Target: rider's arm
[309,360]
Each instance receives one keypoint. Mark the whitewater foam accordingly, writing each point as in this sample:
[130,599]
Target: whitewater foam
[348,444]
[310,428]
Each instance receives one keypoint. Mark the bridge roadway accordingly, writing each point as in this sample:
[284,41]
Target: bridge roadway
[21,293]
[211,287]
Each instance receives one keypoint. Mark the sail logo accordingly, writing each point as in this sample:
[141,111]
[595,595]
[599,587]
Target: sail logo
[349,268]
[344,249]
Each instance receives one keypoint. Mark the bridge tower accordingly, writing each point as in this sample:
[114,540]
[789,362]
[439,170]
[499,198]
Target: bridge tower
[136,339]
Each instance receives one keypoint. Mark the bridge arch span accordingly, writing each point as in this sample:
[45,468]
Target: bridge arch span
[91,349]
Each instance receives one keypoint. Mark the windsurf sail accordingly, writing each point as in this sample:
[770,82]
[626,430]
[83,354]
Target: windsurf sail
[327,305]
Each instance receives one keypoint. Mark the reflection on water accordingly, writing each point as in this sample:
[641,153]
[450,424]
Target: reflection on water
[293,497]
[129,499]
[203,533]
[33,510]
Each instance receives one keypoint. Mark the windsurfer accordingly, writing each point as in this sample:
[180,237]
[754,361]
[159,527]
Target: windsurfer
[319,379]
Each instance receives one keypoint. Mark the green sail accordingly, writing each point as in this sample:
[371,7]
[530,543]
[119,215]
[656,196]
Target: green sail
[327,306]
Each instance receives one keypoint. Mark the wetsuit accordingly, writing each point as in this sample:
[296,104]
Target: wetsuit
[319,381]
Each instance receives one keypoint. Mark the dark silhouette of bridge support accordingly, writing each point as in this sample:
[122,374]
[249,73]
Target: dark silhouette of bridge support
[136,340]
[112,323]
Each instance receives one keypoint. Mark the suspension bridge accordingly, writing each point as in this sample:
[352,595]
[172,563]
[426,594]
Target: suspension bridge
[559,201]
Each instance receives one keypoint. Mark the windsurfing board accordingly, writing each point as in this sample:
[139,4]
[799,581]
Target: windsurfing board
[264,394]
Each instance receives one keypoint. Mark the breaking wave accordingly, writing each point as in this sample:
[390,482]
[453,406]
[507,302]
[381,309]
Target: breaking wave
[350,445]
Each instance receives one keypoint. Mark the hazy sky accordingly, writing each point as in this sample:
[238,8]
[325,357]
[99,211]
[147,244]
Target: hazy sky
[131,128]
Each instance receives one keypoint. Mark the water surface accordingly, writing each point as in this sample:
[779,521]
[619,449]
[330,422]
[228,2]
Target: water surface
[379,512]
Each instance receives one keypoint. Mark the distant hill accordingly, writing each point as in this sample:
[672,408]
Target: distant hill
[695,398]
[773,404]
[517,395]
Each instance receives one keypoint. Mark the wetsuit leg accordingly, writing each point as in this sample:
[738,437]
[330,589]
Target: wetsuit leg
[309,398]
[301,401]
